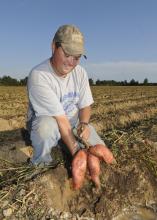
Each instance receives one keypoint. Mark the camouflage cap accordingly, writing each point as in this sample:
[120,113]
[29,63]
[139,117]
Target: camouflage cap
[71,39]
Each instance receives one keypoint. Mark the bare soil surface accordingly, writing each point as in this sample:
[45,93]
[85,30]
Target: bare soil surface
[128,189]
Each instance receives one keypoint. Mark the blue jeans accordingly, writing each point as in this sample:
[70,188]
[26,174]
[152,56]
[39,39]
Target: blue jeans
[44,134]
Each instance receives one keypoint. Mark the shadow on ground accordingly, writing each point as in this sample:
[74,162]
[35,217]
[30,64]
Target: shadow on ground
[16,146]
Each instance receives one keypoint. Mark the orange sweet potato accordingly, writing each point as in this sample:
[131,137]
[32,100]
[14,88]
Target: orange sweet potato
[102,152]
[79,166]
[93,164]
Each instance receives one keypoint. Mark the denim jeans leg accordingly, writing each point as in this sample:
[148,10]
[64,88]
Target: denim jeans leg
[44,135]
[94,138]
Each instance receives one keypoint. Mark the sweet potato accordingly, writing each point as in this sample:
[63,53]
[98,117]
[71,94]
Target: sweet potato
[102,152]
[79,166]
[93,164]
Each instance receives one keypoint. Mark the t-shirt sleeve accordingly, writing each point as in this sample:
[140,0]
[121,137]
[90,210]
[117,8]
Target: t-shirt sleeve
[44,101]
[86,98]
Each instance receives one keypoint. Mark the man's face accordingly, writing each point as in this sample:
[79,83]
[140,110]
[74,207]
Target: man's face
[62,62]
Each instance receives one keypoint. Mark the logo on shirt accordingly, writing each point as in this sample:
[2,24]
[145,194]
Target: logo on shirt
[69,102]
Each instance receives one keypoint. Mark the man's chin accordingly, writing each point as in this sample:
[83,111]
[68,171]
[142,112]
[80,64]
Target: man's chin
[66,71]
[64,74]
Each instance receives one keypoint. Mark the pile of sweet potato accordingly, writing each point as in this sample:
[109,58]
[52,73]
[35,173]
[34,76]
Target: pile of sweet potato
[89,160]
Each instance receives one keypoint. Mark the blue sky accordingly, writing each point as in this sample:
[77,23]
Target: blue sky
[120,36]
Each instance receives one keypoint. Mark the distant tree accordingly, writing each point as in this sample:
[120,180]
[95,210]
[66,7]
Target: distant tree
[133,82]
[98,82]
[145,81]
[125,82]
[91,82]
[23,82]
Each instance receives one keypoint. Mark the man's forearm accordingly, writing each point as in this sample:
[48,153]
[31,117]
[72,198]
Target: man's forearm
[84,114]
[66,133]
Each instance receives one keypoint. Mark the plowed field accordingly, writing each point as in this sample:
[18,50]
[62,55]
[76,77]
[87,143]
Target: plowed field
[126,119]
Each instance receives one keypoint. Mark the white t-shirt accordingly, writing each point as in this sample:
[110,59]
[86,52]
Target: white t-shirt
[52,95]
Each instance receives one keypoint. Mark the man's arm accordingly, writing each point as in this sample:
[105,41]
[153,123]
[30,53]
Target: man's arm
[84,117]
[66,133]
[84,114]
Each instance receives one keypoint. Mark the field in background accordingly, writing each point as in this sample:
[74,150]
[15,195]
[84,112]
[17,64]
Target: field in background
[114,107]
[13,107]
[117,107]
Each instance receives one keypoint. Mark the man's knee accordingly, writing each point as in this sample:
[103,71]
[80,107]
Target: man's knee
[47,127]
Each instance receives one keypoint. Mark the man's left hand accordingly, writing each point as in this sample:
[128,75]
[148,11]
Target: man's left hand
[83,131]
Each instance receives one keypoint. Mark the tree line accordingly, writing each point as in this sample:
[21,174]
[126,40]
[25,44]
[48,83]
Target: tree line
[132,82]
[9,81]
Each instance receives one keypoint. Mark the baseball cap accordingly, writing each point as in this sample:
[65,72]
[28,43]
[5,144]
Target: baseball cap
[71,40]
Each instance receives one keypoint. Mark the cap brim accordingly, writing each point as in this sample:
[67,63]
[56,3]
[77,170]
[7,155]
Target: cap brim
[73,49]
